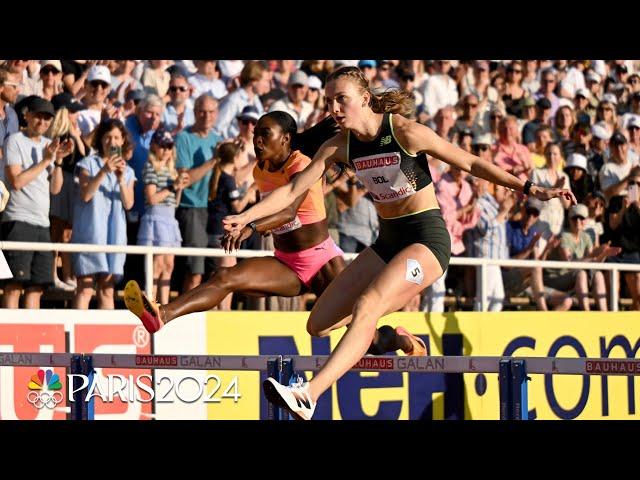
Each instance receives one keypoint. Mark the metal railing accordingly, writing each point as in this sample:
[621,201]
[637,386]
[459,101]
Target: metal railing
[481,264]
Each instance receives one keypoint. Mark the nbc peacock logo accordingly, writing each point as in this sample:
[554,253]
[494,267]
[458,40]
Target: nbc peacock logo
[44,388]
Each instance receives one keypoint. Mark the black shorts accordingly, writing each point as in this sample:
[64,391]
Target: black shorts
[427,228]
[193,228]
[28,268]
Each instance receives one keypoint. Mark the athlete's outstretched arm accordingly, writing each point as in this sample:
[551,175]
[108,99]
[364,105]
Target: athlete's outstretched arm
[285,195]
[420,138]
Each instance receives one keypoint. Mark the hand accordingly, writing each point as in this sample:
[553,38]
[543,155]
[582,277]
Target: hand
[545,194]
[112,163]
[66,148]
[537,236]
[182,181]
[559,182]
[552,243]
[120,166]
[509,200]
[234,223]
[232,241]
[51,151]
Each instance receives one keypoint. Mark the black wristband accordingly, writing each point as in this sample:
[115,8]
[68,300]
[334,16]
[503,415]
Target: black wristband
[527,187]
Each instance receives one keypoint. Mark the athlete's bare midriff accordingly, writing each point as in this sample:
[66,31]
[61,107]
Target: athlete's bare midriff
[302,238]
[424,199]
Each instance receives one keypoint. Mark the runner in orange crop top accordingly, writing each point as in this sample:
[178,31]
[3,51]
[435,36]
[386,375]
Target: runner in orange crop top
[305,257]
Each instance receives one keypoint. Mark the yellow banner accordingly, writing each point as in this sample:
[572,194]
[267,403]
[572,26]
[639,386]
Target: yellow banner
[390,395]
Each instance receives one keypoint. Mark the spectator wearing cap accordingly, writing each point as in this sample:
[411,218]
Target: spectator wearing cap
[141,126]
[50,82]
[622,229]
[255,80]
[593,82]
[583,106]
[543,117]
[9,90]
[246,161]
[207,80]
[32,169]
[548,79]
[384,77]
[527,111]
[122,79]
[105,191]
[614,175]
[573,80]
[440,89]
[552,176]
[510,155]
[633,129]
[196,147]
[369,69]
[606,113]
[406,79]
[155,79]
[514,94]
[633,110]
[580,182]
[162,191]
[65,126]
[315,96]
[97,87]
[178,112]
[294,104]
[575,246]
[488,239]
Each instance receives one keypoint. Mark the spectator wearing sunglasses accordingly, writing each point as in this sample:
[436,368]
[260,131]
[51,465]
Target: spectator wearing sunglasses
[294,103]
[178,113]
[513,91]
[407,79]
[470,118]
[9,90]
[50,83]
[548,79]
[633,129]
[383,78]
[247,121]
[98,86]
[315,96]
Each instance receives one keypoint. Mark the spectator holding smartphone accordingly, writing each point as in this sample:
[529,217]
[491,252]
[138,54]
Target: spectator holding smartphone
[105,191]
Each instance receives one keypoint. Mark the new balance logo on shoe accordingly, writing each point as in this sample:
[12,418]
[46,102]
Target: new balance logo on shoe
[301,399]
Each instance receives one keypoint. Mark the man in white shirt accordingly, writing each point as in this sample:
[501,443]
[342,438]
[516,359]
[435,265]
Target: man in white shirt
[440,90]
[294,104]
[206,80]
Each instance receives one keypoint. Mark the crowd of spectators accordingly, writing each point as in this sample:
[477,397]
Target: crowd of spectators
[156,152]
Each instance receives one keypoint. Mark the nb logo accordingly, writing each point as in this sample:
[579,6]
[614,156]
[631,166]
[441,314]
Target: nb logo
[385,140]
[300,398]
[378,180]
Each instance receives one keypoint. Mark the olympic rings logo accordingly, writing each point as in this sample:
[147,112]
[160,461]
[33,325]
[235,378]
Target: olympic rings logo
[44,399]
